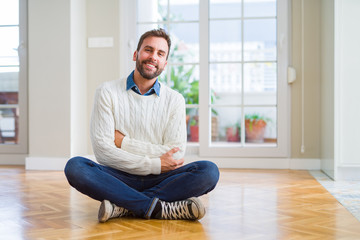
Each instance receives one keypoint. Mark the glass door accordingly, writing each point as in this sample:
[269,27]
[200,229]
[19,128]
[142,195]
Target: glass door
[246,71]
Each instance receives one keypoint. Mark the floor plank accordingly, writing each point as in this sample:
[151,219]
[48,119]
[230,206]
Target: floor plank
[246,204]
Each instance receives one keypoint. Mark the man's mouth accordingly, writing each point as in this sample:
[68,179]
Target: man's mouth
[150,65]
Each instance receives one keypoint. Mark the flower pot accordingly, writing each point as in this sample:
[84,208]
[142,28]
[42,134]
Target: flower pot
[194,133]
[233,134]
[254,130]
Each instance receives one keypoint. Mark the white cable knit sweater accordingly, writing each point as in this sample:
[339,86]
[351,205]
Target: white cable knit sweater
[152,125]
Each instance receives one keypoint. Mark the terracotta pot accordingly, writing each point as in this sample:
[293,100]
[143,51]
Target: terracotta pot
[194,133]
[232,134]
[254,130]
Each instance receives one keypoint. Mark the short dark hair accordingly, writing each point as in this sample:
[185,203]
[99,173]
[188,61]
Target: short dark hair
[155,33]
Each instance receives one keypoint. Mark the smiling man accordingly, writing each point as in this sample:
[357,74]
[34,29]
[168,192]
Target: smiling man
[138,134]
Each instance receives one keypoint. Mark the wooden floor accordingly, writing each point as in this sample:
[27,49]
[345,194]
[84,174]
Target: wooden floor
[247,204]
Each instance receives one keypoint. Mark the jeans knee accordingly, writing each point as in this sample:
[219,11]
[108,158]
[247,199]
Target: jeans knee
[211,171]
[73,166]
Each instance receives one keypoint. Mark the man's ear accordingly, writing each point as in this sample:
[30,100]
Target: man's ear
[134,56]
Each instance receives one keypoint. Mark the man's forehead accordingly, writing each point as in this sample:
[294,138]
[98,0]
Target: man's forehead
[155,42]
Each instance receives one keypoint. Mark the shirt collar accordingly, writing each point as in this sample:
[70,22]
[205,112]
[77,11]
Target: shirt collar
[130,84]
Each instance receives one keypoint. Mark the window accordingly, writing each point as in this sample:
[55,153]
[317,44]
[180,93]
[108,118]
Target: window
[13,76]
[229,60]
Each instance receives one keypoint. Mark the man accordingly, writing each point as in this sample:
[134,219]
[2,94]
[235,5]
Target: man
[138,133]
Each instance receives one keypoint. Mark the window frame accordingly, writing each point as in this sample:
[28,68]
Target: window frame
[22,145]
[206,149]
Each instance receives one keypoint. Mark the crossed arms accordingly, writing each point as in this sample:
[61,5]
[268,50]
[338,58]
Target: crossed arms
[168,163]
[127,154]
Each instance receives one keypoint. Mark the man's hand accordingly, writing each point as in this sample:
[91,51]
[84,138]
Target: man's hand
[168,163]
[118,138]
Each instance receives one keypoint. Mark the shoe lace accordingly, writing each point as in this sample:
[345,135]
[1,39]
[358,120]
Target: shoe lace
[175,210]
[118,211]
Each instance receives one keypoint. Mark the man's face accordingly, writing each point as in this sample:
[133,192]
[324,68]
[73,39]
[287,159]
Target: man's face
[151,58]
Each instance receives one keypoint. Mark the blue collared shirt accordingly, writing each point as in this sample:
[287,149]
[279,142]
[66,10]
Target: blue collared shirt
[130,84]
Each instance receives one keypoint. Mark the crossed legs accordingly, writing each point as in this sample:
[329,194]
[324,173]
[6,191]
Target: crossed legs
[140,194]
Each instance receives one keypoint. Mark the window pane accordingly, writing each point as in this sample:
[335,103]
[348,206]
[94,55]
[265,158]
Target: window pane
[142,28]
[9,42]
[181,10]
[260,40]
[9,82]
[260,8]
[185,80]
[225,124]
[8,123]
[9,12]
[185,42]
[225,45]
[225,8]
[151,10]
[225,83]
[192,124]
[260,83]
[261,125]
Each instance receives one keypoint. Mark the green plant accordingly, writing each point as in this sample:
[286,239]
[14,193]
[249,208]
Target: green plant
[193,122]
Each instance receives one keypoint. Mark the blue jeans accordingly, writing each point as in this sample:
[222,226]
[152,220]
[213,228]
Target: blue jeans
[139,194]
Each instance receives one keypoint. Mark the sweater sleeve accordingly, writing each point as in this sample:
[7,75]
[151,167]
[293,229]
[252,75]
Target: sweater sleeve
[174,135]
[102,129]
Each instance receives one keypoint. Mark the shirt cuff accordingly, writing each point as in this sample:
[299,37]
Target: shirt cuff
[155,166]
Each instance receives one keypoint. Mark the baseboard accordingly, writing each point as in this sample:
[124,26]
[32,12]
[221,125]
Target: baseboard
[262,163]
[305,163]
[348,173]
[43,163]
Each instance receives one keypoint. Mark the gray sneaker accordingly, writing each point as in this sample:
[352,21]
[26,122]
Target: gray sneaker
[189,209]
[109,210]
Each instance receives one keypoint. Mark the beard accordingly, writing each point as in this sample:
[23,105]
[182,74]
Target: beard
[145,73]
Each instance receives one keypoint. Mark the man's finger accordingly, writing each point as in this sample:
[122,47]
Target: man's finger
[174,150]
[180,161]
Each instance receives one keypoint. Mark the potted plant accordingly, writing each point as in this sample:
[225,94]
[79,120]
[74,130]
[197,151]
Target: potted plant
[233,133]
[194,129]
[255,125]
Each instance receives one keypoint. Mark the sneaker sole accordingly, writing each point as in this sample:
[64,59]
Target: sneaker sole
[104,211]
[200,207]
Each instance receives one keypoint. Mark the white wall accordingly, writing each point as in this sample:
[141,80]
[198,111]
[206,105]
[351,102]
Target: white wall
[347,85]
[102,63]
[79,111]
[49,78]
[312,59]
[57,82]
[327,87]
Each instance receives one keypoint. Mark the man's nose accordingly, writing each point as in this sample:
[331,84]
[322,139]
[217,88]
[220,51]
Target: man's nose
[153,56]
